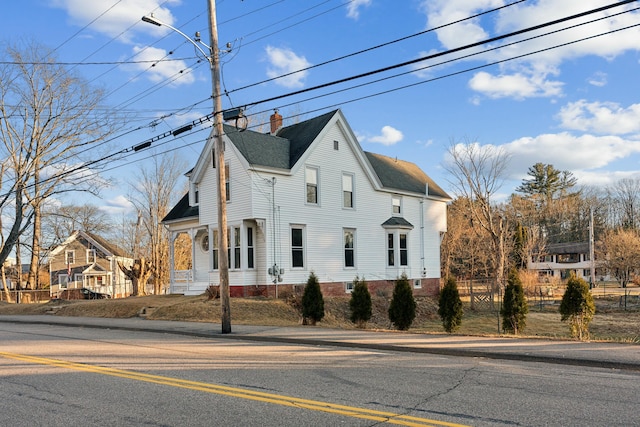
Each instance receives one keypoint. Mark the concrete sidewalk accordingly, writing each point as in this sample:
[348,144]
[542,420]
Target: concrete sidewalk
[593,354]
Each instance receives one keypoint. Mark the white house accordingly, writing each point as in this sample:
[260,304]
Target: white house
[559,260]
[306,198]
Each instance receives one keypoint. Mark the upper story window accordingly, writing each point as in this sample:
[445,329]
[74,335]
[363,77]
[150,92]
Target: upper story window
[91,256]
[311,180]
[70,257]
[396,205]
[336,145]
[347,190]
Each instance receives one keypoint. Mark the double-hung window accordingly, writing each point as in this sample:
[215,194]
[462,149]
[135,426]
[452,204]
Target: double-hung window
[397,248]
[216,250]
[70,257]
[250,263]
[349,248]
[236,248]
[396,205]
[311,180]
[347,190]
[91,256]
[297,246]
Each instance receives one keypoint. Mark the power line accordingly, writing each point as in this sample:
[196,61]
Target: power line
[378,46]
[443,53]
[148,143]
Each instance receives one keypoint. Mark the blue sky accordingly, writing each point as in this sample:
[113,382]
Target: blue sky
[576,107]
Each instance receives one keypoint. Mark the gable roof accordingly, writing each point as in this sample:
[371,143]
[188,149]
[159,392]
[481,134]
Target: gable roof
[99,242]
[282,150]
[404,176]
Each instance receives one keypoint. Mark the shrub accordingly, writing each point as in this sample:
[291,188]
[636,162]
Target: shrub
[312,302]
[577,307]
[514,305]
[402,309]
[450,306]
[360,302]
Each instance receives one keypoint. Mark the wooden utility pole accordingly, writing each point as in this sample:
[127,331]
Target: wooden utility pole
[223,258]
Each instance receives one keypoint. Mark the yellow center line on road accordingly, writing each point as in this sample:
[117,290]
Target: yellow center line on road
[314,405]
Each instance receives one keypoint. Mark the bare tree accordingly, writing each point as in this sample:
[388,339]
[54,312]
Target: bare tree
[476,174]
[619,253]
[625,202]
[61,221]
[152,195]
[50,118]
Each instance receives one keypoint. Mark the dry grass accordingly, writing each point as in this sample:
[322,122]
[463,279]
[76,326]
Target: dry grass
[610,323]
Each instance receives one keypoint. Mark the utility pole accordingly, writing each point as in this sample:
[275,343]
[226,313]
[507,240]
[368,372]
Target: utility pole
[223,257]
[592,260]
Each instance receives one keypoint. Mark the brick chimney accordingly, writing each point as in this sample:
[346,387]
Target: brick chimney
[276,122]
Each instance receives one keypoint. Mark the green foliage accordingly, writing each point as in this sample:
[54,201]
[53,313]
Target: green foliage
[312,302]
[546,181]
[577,307]
[402,309]
[514,305]
[360,302]
[519,255]
[450,306]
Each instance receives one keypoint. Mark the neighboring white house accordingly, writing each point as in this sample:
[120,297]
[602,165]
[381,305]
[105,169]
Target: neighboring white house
[559,260]
[86,260]
[306,198]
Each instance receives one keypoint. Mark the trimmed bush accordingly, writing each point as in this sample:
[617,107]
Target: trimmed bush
[360,303]
[402,309]
[514,305]
[312,302]
[450,306]
[577,307]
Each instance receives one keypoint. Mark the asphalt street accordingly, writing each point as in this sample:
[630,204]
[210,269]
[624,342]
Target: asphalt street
[593,354]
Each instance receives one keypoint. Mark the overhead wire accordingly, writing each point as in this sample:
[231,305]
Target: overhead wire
[136,148]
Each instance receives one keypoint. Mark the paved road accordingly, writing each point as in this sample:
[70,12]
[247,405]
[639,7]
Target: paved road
[69,372]
[593,354]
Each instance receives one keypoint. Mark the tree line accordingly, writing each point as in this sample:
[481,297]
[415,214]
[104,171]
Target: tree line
[488,233]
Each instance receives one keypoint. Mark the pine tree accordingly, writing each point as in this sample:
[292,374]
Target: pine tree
[450,306]
[514,306]
[360,302]
[577,307]
[312,302]
[402,309]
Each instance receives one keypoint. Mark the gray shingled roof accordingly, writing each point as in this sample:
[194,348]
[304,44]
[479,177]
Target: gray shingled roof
[280,151]
[403,176]
[182,210]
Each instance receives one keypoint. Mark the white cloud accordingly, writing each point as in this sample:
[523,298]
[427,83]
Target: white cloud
[388,136]
[531,75]
[353,8]
[117,205]
[517,86]
[284,61]
[598,79]
[178,71]
[601,117]
[566,151]
[114,21]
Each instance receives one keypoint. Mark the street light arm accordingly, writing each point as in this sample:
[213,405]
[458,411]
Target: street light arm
[155,21]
